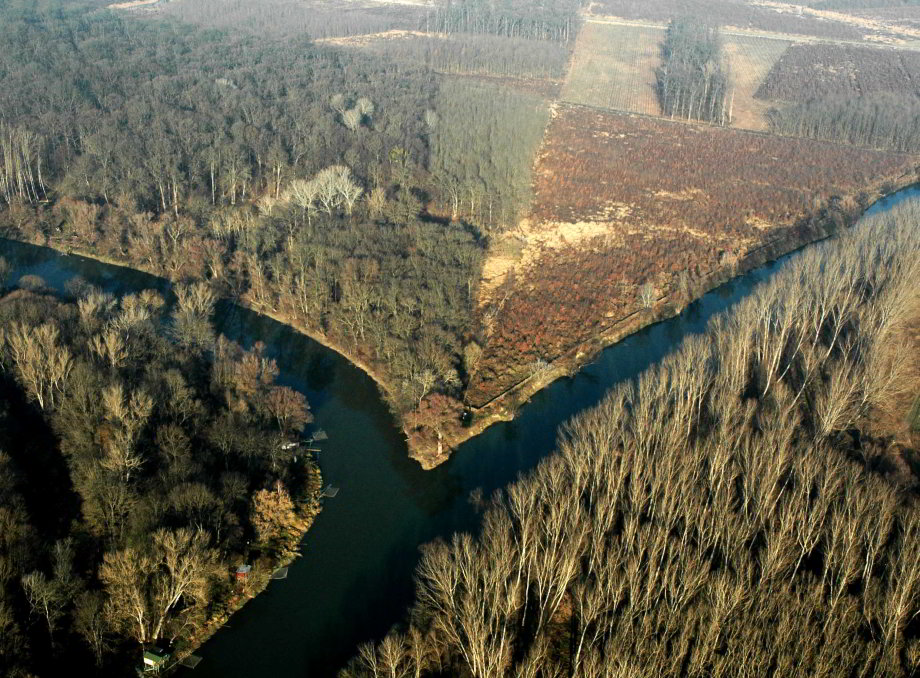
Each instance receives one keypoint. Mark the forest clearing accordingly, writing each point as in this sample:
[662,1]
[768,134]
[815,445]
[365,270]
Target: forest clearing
[750,60]
[614,67]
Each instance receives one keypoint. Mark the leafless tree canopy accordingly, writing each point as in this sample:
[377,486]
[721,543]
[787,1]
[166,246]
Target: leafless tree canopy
[715,518]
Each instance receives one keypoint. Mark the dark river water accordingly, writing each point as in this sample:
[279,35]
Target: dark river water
[354,580]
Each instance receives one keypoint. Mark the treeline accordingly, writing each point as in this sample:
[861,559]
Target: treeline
[693,81]
[556,20]
[143,460]
[727,514]
[483,143]
[478,54]
[884,121]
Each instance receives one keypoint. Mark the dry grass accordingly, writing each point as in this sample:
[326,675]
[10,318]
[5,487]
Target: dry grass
[614,67]
[369,39]
[751,59]
[132,4]
[877,26]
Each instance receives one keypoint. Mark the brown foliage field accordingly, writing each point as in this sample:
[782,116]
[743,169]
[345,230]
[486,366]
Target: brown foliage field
[627,204]
[807,72]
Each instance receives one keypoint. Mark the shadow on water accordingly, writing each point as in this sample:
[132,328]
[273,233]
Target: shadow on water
[355,577]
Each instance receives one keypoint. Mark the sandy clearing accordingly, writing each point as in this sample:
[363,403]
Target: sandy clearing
[868,23]
[132,5]
[367,38]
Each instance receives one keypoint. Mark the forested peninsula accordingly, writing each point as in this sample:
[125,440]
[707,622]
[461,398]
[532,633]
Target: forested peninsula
[143,460]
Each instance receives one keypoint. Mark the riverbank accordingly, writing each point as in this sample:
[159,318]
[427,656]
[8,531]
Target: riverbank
[504,406]
[193,468]
[430,452]
[288,550]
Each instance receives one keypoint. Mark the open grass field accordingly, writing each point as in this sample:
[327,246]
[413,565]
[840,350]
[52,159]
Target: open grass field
[628,204]
[614,67]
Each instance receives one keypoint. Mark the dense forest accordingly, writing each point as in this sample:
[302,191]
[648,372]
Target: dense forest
[694,80]
[885,121]
[489,183]
[556,20]
[142,460]
[158,116]
[734,512]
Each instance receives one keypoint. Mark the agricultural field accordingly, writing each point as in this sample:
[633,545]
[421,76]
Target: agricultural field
[632,212]
[614,67]
[751,58]
[807,72]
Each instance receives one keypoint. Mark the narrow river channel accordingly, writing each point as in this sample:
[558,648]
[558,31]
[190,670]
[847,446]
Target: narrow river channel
[354,580]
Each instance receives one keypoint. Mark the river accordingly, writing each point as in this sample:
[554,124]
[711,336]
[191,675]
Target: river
[354,580]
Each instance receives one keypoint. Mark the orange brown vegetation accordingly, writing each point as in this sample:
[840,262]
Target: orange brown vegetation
[661,207]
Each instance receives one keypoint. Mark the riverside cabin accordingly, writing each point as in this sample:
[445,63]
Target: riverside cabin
[154,661]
